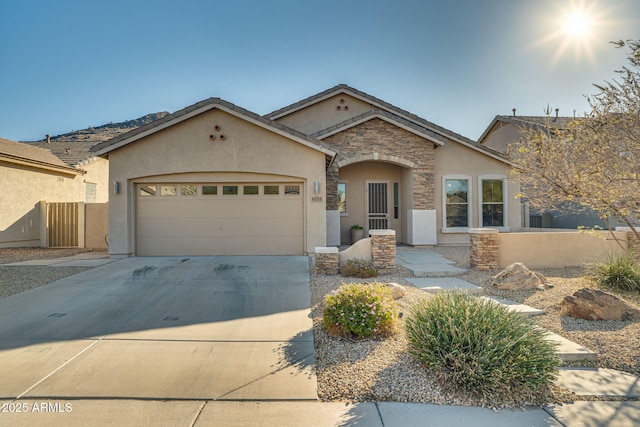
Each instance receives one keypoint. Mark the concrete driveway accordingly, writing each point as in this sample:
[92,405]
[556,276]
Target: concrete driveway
[202,328]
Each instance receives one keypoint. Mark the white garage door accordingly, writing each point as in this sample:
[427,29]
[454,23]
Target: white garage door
[219,219]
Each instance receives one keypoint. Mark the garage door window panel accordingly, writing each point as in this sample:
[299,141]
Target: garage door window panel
[168,190]
[209,190]
[271,190]
[189,190]
[292,190]
[230,190]
[250,190]
[148,190]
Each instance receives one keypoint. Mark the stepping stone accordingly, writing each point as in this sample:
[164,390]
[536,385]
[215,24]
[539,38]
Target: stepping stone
[599,382]
[517,306]
[433,270]
[570,351]
[440,284]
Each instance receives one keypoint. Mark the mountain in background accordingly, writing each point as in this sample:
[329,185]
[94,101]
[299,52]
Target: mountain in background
[74,148]
[104,132]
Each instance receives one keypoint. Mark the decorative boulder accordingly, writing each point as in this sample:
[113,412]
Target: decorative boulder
[397,290]
[593,304]
[517,277]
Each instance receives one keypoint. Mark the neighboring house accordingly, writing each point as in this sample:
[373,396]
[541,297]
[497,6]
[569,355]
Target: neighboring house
[214,178]
[29,175]
[506,130]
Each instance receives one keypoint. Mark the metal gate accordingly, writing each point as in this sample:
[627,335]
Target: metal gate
[378,214]
[63,224]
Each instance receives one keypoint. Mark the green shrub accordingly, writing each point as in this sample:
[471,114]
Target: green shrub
[359,268]
[620,272]
[361,310]
[481,348]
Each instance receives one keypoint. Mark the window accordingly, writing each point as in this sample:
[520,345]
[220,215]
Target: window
[230,189]
[493,201]
[456,201]
[148,190]
[209,190]
[292,189]
[189,190]
[396,201]
[271,189]
[168,190]
[90,192]
[250,189]
[342,197]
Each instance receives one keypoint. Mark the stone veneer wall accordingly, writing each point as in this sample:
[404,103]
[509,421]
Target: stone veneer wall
[485,248]
[326,261]
[379,136]
[383,250]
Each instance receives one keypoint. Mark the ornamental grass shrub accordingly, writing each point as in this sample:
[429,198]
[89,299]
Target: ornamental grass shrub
[361,310]
[359,268]
[618,272]
[481,348]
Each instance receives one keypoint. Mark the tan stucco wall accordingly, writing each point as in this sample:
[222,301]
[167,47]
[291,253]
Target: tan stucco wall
[98,173]
[325,114]
[501,135]
[454,158]
[23,187]
[186,148]
[96,218]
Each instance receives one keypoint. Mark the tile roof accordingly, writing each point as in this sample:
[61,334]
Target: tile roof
[74,153]
[535,122]
[24,152]
[197,108]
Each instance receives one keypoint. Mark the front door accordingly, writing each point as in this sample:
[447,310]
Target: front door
[378,206]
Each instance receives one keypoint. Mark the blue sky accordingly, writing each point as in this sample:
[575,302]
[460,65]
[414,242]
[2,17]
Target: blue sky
[72,64]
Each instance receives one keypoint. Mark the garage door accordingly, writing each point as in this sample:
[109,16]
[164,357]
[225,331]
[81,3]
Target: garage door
[219,219]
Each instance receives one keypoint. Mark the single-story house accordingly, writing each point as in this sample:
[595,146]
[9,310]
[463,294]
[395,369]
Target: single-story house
[30,175]
[505,130]
[214,178]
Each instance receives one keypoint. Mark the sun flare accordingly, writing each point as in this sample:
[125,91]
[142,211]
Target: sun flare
[574,29]
[577,24]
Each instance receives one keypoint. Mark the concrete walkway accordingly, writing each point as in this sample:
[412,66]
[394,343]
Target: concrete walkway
[73,359]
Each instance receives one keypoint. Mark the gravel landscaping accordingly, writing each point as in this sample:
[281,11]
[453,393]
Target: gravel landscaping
[16,279]
[384,370]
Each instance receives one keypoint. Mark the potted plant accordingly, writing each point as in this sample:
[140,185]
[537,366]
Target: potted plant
[357,233]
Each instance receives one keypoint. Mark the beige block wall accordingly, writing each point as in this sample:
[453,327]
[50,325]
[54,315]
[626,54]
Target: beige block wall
[24,187]
[454,158]
[97,172]
[557,249]
[177,153]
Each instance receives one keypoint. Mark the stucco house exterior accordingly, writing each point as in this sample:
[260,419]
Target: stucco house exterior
[30,175]
[506,130]
[214,178]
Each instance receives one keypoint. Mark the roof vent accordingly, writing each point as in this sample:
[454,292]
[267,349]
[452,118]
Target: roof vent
[48,138]
[514,112]
[557,110]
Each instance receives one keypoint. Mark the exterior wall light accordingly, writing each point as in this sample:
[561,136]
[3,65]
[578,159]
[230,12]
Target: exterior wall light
[116,187]
[316,187]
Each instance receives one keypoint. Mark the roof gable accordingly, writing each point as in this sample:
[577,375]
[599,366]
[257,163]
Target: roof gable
[23,153]
[104,148]
[385,111]
[532,122]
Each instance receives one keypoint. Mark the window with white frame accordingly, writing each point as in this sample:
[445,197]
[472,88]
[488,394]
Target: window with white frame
[493,201]
[456,201]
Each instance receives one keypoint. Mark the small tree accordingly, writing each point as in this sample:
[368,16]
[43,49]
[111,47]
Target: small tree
[595,163]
